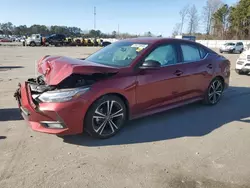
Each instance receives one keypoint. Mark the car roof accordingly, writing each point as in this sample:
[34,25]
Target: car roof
[152,40]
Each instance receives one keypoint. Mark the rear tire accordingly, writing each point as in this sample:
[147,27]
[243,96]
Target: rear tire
[214,92]
[103,123]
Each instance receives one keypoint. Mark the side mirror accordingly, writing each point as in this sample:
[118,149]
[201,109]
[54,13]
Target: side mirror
[150,64]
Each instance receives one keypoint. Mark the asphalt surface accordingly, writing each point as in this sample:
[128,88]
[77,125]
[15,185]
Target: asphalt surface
[194,146]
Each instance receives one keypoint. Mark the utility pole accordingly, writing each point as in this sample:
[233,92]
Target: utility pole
[94,18]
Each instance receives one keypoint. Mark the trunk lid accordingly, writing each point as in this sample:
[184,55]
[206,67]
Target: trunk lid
[56,68]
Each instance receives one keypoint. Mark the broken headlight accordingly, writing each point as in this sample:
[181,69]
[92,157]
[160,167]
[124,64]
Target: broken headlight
[62,95]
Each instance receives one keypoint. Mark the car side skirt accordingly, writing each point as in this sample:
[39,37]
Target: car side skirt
[168,107]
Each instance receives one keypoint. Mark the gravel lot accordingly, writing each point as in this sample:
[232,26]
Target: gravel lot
[192,146]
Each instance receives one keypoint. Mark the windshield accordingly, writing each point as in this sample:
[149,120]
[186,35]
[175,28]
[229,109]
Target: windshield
[229,44]
[119,54]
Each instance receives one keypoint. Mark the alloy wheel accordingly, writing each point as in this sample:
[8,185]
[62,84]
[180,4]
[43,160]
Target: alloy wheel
[108,118]
[215,91]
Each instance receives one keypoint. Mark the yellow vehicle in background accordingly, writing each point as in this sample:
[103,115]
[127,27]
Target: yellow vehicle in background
[69,39]
[79,41]
[82,41]
[88,42]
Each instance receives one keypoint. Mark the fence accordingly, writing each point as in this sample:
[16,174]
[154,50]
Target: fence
[218,43]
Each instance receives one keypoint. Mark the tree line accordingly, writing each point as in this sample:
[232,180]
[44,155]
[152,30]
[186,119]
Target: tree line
[23,30]
[216,21]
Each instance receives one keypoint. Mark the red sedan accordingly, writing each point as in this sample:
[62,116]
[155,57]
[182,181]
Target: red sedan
[5,40]
[122,81]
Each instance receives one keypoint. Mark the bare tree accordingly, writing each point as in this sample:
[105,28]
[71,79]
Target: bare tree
[183,13]
[193,20]
[208,10]
[176,29]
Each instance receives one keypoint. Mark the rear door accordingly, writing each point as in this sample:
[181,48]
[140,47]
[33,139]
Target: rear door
[199,69]
[160,87]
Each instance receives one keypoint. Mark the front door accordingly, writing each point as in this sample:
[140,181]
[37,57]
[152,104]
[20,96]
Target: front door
[163,86]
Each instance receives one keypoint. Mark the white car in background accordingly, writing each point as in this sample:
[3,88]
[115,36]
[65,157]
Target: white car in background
[243,63]
[231,47]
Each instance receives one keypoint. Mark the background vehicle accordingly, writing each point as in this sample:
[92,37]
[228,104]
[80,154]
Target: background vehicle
[232,47]
[5,40]
[33,40]
[243,63]
[56,39]
[105,43]
[126,80]
[88,42]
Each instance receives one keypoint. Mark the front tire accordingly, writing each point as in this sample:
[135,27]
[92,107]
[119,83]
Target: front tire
[105,117]
[214,92]
[33,44]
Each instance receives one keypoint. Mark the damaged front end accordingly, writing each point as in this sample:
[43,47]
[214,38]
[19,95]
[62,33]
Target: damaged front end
[47,100]
[38,86]
[71,87]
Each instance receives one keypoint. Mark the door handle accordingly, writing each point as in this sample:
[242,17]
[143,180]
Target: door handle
[178,73]
[210,66]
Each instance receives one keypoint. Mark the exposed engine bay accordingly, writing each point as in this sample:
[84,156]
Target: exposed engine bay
[38,85]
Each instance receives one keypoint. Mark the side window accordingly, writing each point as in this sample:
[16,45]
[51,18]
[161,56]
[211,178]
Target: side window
[190,53]
[203,52]
[37,36]
[166,55]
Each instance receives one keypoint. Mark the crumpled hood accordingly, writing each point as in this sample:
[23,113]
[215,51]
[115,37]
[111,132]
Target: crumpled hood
[57,68]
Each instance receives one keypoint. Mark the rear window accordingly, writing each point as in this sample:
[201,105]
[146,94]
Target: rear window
[190,52]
